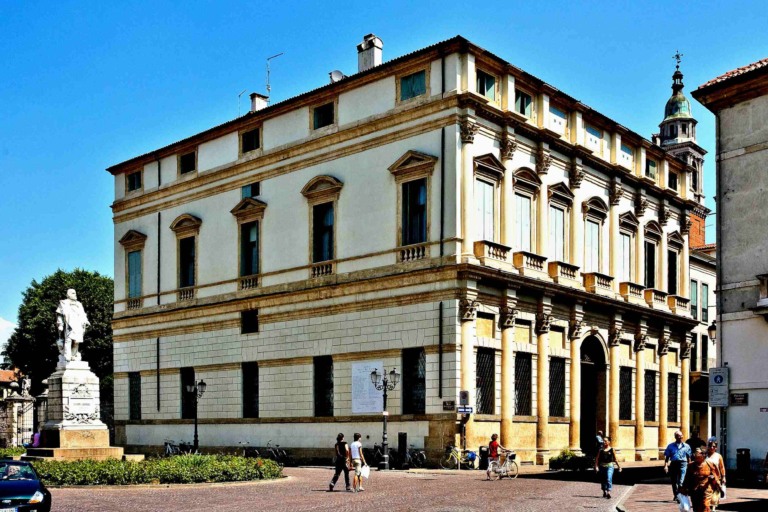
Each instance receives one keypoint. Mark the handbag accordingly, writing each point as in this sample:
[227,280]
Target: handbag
[722,492]
[365,471]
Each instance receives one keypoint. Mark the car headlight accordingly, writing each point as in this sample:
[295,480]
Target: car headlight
[38,497]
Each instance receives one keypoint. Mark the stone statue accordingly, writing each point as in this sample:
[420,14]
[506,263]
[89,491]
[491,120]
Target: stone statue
[71,322]
[26,384]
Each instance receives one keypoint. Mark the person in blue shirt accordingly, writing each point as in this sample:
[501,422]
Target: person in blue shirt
[676,459]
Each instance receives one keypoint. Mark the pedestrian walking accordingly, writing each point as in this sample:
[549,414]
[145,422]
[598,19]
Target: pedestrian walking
[695,441]
[716,460]
[677,455]
[493,453]
[342,462]
[599,438]
[358,460]
[701,479]
[605,461]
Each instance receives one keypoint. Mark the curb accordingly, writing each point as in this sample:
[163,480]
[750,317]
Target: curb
[165,486]
[620,507]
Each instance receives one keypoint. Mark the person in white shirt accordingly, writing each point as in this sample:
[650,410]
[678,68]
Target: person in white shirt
[358,460]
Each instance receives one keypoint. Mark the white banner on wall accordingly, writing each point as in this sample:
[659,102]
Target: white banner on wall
[365,397]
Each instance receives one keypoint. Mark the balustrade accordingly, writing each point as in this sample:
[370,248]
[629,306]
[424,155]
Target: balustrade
[413,252]
[321,269]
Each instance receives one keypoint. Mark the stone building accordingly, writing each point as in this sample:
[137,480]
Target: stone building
[445,213]
[739,100]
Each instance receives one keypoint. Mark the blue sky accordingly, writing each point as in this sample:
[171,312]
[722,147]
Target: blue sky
[84,85]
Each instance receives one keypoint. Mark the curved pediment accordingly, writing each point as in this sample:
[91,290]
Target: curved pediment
[561,193]
[133,240]
[595,207]
[527,179]
[653,230]
[186,224]
[321,188]
[249,210]
[413,165]
[490,165]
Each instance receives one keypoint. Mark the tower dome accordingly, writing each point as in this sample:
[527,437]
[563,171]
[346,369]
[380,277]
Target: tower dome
[678,125]
[678,106]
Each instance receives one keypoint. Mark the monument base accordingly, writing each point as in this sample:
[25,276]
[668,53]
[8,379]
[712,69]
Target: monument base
[110,452]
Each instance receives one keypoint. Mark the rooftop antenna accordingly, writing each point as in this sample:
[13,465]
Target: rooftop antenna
[238,101]
[269,89]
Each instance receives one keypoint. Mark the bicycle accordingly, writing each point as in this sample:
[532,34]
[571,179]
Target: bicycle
[249,452]
[453,459]
[171,448]
[415,458]
[508,468]
[278,455]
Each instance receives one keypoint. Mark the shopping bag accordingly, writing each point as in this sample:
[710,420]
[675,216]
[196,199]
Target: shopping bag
[722,492]
[365,471]
[685,503]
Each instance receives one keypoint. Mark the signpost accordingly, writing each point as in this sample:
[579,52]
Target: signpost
[464,409]
[718,387]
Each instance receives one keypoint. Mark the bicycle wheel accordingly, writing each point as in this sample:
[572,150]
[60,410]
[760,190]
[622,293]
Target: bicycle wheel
[493,469]
[449,461]
[512,470]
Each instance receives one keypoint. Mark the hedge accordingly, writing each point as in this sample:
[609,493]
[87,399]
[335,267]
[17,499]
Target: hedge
[180,469]
[7,453]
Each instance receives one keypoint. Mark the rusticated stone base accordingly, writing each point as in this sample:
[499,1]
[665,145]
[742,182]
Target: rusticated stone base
[75,438]
[73,453]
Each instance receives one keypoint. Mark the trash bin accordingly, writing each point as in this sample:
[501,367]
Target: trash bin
[402,449]
[483,451]
[743,461]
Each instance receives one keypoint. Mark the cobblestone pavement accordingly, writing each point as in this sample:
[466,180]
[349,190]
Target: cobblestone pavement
[306,490]
[658,498]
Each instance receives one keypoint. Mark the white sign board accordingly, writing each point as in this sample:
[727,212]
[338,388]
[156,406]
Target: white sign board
[718,387]
[365,397]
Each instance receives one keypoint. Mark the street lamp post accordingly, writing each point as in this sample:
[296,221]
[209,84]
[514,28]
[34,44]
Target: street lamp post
[196,389]
[385,383]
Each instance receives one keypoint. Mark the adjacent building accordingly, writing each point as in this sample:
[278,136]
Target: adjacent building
[739,100]
[444,213]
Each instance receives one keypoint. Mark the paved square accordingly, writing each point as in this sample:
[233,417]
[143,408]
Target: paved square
[306,490]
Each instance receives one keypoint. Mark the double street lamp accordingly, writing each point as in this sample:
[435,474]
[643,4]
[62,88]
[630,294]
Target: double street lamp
[385,383]
[196,389]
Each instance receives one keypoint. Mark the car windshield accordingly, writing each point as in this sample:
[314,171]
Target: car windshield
[16,472]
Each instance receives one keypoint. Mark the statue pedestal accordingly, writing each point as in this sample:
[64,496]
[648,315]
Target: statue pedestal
[73,429]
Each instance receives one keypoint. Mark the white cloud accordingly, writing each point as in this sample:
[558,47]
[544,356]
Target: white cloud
[6,329]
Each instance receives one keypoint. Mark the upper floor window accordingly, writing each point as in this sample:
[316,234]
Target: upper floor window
[704,302]
[524,104]
[523,233]
[557,233]
[650,169]
[672,180]
[323,115]
[413,85]
[414,214]
[595,212]
[558,120]
[651,248]
[695,180]
[133,244]
[250,140]
[627,228]
[188,162]
[486,85]
[134,274]
[626,156]
[673,272]
[249,321]
[694,299]
[322,193]
[133,181]
[485,193]
[249,248]
[252,190]
[187,228]
[594,138]
[322,232]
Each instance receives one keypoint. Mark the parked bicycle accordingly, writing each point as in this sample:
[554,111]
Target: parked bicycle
[508,468]
[182,448]
[249,452]
[278,454]
[415,458]
[453,458]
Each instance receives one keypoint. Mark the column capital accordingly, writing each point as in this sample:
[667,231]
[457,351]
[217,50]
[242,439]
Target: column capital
[686,345]
[616,191]
[468,309]
[641,336]
[664,213]
[615,333]
[508,145]
[507,316]
[641,203]
[576,322]
[468,129]
[543,158]
[576,173]
[664,335]
[685,223]
[543,322]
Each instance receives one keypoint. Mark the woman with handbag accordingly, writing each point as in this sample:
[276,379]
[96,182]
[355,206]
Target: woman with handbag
[605,462]
[717,460]
[701,479]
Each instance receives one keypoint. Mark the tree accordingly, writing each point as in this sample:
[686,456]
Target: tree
[32,346]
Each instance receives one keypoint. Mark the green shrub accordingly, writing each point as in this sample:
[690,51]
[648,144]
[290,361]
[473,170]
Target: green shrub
[6,453]
[180,469]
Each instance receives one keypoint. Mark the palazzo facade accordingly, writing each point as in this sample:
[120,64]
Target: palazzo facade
[444,213]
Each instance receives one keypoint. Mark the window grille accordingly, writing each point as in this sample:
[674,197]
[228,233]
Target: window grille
[414,381]
[557,387]
[672,397]
[323,386]
[188,400]
[522,384]
[250,373]
[134,395]
[625,393]
[485,394]
[650,395]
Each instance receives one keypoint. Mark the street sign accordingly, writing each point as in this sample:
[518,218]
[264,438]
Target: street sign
[449,405]
[463,397]
[718,387]
[739,399]
[465,410]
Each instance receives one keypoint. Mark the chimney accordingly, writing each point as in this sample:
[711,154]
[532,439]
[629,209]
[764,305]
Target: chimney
[258,101]
[369,53]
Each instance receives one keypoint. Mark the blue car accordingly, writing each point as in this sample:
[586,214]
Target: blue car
[20,488]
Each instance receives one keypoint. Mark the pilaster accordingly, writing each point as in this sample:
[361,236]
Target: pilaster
[507,317]
[664,335]
[685,383]
[543,321]
[468,315]
[468,129]
[614,342]
[641,338]
[575,327]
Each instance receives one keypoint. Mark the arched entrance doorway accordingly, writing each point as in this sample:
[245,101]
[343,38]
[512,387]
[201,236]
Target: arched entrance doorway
[593,391]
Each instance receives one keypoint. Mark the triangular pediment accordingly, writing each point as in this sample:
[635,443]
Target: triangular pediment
[490,163]
[675,238]
[133,239]
[561,192]
[413,164]
[629,220]
[249,209]
[185,224]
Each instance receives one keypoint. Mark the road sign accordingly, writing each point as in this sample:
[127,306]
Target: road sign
[465,410]
[718,387]
[463,397]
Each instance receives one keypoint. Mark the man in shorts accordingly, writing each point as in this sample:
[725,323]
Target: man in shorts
[358,460]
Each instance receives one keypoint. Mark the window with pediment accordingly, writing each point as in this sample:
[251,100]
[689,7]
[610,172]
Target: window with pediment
[133,245]
[560,203]
[628,225]
[653,234]
[187,228]
[595,212]
[249,213]
[527,185]
[322,194]
[489,172]
[413,174]
[675,244]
